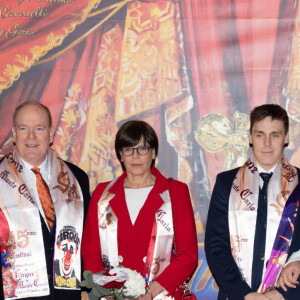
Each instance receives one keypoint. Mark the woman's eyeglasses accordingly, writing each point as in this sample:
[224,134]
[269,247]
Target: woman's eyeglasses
[141,150]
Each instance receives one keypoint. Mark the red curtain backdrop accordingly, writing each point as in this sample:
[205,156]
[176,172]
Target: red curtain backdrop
[193,69]
[29,31]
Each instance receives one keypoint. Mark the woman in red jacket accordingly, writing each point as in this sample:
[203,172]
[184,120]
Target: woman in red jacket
[133,219]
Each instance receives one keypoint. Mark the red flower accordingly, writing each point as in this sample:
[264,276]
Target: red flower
[106,273]
[113,284]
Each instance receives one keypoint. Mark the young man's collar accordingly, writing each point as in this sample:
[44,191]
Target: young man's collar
[262,170]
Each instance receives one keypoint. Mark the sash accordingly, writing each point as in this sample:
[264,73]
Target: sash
[161,242]
[283,202]
[25,273]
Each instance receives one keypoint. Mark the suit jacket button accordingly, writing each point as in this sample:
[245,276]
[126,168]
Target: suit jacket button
[263,226]
[261,256]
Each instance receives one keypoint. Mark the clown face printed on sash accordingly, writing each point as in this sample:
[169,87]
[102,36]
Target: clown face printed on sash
[67,246]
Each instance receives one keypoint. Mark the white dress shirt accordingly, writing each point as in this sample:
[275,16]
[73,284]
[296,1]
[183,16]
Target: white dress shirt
[135,200]
[262,170]
[29,179]
[296,255]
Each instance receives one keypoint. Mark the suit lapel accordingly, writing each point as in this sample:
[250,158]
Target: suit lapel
[147,212]
[119,206]
[151,206]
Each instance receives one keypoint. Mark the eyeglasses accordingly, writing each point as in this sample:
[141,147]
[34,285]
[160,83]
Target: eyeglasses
[141,150]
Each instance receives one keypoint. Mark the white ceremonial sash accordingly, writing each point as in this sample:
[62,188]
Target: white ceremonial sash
[68,203]
[26,273]
[163,242]
[162,248]
[242,212]
[107,223]
[164,238]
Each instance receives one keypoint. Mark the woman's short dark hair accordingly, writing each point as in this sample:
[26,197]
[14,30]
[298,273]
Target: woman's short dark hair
[276,112]
[131,133]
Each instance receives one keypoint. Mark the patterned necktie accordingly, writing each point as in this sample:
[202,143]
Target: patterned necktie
[45,197]
[266,178]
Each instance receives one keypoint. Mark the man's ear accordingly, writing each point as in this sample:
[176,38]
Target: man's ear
[51,135]
[250,140]
[286,140]
[14,134]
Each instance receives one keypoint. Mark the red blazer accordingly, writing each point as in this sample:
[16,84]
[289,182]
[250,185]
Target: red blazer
[133,240]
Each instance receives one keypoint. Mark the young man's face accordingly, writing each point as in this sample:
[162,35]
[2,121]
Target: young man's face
[268,138]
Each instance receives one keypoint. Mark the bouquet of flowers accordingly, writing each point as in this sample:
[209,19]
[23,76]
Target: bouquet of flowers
[119,282]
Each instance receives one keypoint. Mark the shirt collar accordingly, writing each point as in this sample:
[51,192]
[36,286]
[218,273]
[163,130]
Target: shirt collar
[43,166]
[262,170]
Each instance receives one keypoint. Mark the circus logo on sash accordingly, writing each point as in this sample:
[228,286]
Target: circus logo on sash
[67,249]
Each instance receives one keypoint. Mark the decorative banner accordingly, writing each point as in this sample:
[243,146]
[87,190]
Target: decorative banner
[193,70]
[203,284]
[31,28]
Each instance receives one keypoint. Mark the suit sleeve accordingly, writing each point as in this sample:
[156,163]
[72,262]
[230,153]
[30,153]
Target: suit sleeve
[183,265]
[217,243]
[91,250]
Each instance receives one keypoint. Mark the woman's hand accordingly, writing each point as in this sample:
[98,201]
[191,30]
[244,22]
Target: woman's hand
[152,291]
[145,297]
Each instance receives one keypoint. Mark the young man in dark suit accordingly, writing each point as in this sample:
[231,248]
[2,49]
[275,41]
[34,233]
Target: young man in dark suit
[253,217]
[43,201]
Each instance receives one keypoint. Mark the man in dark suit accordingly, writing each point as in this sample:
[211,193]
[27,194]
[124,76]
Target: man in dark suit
[253,218]
[43,202]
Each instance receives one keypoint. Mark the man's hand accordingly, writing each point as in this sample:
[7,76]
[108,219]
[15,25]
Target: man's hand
[289,276]
[274,295]
[256,296]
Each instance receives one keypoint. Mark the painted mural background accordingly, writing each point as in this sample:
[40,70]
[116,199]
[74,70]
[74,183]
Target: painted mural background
[193,69]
